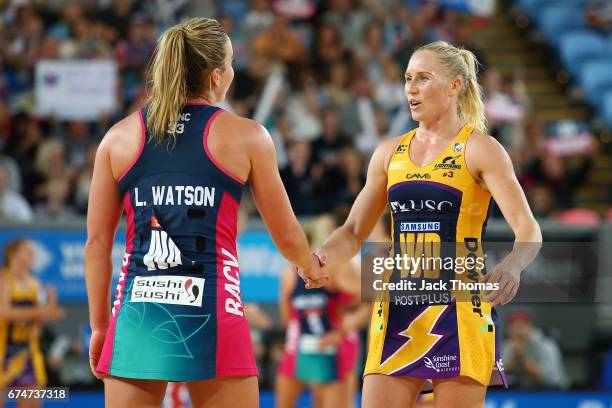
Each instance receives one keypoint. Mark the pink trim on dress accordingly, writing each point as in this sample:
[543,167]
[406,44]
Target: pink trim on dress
[143,133]
[104,364]
[234,352]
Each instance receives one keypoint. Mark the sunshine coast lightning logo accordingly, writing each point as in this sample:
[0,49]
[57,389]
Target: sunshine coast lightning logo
[430,364]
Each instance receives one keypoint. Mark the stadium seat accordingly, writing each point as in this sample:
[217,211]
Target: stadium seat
[554,21]
[580,46]
[533,8]
[596,79]
[607,109]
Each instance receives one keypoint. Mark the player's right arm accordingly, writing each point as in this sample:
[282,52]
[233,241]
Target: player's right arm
[346,241]
[275,209]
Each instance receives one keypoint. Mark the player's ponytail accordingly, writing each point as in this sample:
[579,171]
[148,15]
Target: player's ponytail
[471,107]
[463,63]
[185,56]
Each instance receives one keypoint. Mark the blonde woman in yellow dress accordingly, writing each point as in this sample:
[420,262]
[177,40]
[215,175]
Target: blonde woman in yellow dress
[438,181]
[21,316]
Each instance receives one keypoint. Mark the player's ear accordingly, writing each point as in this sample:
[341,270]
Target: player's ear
[455,86]
[215,77]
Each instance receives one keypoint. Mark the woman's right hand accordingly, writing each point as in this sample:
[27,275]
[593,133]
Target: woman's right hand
[314,276]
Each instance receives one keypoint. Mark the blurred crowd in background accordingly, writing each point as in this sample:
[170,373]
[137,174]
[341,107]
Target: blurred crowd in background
[325,78]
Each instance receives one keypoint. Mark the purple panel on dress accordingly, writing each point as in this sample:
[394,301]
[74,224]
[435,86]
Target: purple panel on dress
[442,360]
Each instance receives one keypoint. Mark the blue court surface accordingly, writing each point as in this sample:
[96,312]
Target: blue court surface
[494,400]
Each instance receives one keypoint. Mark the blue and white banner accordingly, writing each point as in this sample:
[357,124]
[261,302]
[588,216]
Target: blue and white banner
[76,89]
[59,262]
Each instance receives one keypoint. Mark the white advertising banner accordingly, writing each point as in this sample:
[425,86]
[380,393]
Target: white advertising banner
[76,89]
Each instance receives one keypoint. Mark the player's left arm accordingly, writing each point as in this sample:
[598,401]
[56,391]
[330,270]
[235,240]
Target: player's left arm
[103,216]
[492,168]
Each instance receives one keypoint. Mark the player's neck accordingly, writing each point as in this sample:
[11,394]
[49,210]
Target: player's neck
[18,273]
[445,126]
[201,99]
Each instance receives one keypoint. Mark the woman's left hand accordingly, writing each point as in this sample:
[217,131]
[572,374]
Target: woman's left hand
[330,339]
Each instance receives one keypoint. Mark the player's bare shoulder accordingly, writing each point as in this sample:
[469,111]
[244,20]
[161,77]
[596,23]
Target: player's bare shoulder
[123,134]
[484,152]
[123,142]
[246,134]
[386,149]
[483,147]
[246,131]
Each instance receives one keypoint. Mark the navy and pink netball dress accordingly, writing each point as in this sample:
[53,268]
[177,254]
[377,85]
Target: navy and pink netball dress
[177,313]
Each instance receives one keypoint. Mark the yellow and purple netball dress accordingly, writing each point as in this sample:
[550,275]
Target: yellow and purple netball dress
[436,204]
[178,312]
[22,361]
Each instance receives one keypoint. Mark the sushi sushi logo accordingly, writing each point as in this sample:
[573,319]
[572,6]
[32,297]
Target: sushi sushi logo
[430,364]
[168,289]
[192,290]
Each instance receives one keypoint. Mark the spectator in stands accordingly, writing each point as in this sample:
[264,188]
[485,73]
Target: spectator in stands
[531,359]
[541,200]
[117,17]
[327,51]
[281,135]
[501,108]
[13,207]
[76,143]
[358,115]
[325,148]
[389,92]
[337,90]
[349,20]
[599,14]
[258,19]
[297,179]
[50,165]
[55,206]
[372,53]
[83,180]
[555,171]
[267,42]
[304,112]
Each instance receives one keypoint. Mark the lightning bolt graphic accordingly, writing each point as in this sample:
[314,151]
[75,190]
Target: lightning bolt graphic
[420,329]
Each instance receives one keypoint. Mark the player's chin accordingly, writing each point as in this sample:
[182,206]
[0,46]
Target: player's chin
[416,115]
